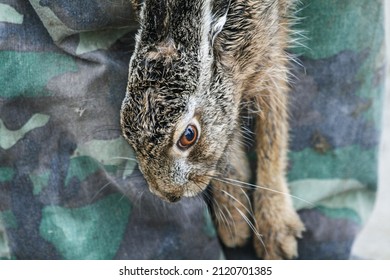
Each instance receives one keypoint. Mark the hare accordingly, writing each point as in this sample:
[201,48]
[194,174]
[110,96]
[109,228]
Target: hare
[195,66]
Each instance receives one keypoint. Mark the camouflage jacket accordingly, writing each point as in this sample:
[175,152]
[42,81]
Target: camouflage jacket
[63,163]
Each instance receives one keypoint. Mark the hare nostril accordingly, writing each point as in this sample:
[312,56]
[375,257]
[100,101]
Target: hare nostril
[172,197]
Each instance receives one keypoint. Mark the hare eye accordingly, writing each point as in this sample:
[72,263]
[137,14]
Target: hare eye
[189,137]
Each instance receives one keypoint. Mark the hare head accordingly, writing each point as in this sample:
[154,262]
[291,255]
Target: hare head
[180,112]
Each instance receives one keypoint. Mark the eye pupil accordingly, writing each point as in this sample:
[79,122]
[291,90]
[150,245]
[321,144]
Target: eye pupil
[189,137]
[189,134]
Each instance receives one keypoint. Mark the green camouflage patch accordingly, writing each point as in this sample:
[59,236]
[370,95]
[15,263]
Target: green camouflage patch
[40,181]
[91,232]
[351,162]
[334,194]
[208,226]
[9,138]
[56,28]
[6,174]
[336,20]
[10,15]
[108,152]
[91,41]
[21,69]
[8,218]
[81,167]
[340,213]
[4,249]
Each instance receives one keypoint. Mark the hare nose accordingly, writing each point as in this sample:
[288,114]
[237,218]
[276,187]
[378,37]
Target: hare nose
[172,197]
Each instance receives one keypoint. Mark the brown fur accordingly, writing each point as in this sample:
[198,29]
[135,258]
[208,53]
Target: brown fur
[248,63]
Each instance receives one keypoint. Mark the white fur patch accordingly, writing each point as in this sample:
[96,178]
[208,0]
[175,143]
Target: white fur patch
[179,171]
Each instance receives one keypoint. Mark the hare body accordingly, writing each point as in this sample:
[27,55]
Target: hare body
[194,66]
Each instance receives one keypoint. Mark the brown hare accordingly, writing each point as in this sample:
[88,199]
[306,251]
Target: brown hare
[196,66]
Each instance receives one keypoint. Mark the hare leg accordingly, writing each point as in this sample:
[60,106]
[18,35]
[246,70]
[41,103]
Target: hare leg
[276,219]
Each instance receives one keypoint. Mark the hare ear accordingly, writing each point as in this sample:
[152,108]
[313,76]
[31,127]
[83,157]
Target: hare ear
[220,10]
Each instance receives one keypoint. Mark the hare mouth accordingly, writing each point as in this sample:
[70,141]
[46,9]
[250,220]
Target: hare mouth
[168,196]
[194,187]
[197,184]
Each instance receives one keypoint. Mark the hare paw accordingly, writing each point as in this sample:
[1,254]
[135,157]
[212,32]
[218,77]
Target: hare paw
[279,230]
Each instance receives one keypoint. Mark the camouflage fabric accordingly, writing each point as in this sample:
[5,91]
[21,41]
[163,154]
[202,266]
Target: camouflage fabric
[64,165]
[336,116]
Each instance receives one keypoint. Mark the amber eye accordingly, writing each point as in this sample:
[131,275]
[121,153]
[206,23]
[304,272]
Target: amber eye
[189,137]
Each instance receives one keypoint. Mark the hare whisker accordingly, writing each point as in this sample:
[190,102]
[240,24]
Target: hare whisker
[253,228]
[99,191]
[249,185]
[125,158]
